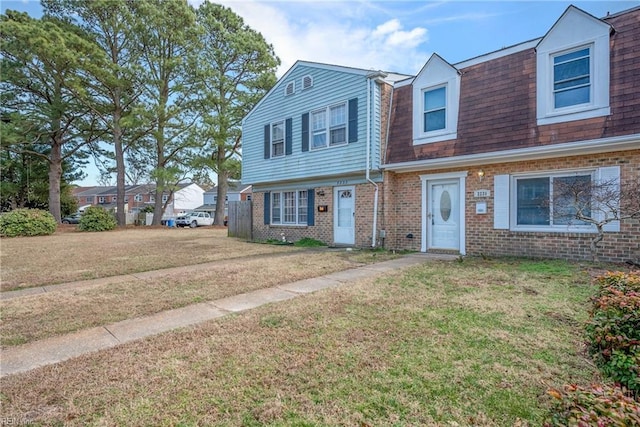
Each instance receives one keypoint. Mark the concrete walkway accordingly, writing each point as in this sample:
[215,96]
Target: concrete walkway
[57,349]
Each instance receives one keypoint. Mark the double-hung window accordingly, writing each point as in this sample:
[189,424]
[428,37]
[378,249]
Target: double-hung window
[329,126]
[277,139]
[552,201]
[319,127]
[572,78]
[138,197]
[338,124]
[289,207]
[435,109]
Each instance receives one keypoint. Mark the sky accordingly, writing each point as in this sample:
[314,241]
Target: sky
[397,36]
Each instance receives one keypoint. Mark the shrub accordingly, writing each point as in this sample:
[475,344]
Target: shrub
[97,219]
[308,242]
[613,330]
[27,222]
[594,406]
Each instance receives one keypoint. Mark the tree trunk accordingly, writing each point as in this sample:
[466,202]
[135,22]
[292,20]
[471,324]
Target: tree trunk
[55,176]
[121,214]
[221,203]
[594,242]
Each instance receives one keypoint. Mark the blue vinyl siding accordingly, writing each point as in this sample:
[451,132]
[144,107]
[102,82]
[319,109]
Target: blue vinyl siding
[330,87]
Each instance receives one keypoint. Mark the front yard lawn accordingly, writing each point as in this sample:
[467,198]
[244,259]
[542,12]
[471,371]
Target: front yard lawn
[477,342]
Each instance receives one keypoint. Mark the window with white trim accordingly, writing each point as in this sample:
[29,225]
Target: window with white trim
[572,69]
[436,102]
[329,126]
[165,197]
[572,77]
[434,109]
[289,207]
[138,197]
[277,139]
[542,201]
[101,199]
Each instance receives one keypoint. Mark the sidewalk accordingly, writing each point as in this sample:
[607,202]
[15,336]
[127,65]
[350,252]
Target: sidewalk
[57,349]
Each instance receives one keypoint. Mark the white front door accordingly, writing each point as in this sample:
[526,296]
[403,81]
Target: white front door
[344,215]
[443,215]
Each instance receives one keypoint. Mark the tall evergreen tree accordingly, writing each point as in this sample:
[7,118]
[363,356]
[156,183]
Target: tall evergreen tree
[110,89]
[236,67]
[40,58]
[168,37]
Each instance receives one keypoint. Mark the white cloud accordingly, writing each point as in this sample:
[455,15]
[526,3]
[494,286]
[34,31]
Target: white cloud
[338,33]
[386,28]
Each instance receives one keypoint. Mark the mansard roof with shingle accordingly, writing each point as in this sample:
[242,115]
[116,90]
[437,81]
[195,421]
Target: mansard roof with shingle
[497,103]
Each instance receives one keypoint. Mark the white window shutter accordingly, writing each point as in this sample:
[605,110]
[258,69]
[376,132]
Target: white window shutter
[501,202]
[607,175]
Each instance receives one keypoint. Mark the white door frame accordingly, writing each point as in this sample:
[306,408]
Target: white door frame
[450,176]
[336,201]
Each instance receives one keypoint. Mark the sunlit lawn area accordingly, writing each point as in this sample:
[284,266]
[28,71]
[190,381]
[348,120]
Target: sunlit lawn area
[476,342]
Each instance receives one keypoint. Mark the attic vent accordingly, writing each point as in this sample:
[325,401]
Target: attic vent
[307,82]
[290,89]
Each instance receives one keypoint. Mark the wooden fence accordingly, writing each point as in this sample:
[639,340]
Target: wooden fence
[239,220]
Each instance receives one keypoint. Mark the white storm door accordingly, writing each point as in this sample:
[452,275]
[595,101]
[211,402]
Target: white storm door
[443,216]
[344,215]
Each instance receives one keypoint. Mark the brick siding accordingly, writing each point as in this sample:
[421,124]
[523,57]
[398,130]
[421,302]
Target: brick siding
[403,213]
[323,228]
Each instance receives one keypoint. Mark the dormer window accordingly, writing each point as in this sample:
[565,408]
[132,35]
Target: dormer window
[435,108]
[436,100]
[290,89]
[572,69]
[307,82]
[572,78]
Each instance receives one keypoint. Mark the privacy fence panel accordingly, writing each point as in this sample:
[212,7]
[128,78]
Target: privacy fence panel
[239,220]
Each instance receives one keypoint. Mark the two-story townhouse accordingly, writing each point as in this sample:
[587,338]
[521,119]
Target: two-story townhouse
[476,149]
[312,153]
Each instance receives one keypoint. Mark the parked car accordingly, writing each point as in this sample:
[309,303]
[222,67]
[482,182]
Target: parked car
[194,219]
[72,219]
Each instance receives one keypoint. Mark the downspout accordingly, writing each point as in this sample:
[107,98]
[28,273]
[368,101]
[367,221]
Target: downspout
[378,78]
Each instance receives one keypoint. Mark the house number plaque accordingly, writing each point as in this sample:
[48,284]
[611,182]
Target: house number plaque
[482,193]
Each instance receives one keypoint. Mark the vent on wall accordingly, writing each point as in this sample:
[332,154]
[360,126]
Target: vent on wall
[307,82]
[290,89]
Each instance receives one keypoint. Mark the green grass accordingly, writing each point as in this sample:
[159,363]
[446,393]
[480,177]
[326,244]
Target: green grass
[445,343]
[308,242]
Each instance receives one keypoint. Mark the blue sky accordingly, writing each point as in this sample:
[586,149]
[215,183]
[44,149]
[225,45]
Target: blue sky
[390,35]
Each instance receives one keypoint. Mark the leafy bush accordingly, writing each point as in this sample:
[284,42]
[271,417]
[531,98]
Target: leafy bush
[614,329]
[97,219]
[27,222]
[594,406]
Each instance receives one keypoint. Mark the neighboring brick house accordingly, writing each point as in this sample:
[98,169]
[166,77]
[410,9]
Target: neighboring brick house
[475,148]
[312,153]
[185,198]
